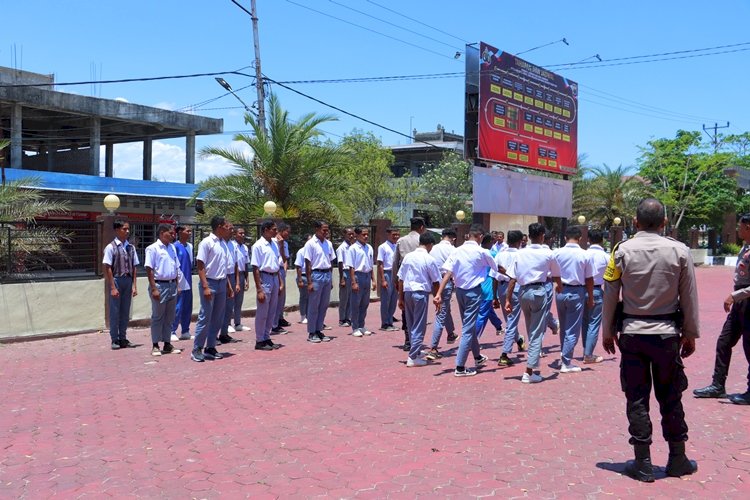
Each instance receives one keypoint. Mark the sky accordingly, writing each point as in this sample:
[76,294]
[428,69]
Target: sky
[622,105]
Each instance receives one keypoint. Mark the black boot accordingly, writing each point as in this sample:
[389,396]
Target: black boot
[678,463]
[641,468]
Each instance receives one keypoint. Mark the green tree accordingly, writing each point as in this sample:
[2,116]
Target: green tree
[603,193]
[688,177]
[20,205]
[366,171]
[288,166]
[446,188]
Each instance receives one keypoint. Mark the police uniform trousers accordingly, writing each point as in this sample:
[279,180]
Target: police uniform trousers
[653,360]
[736,326]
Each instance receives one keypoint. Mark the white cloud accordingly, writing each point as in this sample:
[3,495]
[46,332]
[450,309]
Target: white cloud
[168,161]
[169,106]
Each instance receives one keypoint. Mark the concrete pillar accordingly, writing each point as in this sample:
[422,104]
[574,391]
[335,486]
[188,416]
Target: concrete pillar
[16,137]
[94,145]
[51,149]
[190,158]
[729,233]
[584,237]
[147,151]
[109,161]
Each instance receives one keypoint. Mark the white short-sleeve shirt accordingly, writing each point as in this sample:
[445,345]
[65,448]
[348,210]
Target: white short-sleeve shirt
[469,265]
[599,259]
[533,264]
[163,260]
[359,257]
[419,270]
[506,260]
[573,264]
[265,256]
[385,255]
[215,255]
[319,253]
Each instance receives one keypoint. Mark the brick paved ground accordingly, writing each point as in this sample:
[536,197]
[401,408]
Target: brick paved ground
[343,419]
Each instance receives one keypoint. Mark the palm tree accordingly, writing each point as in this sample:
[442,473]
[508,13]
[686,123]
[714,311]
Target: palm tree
[605,193]
[20,205]
[289,166]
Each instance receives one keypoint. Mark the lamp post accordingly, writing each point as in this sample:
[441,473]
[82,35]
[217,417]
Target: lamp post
[615,232]
[228,88]
[460,215]
[111,203]
[584,231]
[269,207]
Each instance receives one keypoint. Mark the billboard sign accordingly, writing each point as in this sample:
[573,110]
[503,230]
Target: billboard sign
[528,116]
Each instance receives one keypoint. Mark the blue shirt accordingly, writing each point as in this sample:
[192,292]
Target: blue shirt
[185,257]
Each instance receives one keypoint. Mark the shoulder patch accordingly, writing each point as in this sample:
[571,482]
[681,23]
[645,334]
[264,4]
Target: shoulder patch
[612,273]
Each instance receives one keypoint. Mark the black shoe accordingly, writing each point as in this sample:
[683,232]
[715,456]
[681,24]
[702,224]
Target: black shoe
[263,346]
[640,470]
[323,338]
[170,349]
[197,356]
[740,399]
[274,346]
[226,339]
[211,353]
[345,323]
[451,338]
[406,347]
[284,323]
[115,346]
[395,320]
[278,330]
[313,337]
[125,343]
[678,464]
[711,391]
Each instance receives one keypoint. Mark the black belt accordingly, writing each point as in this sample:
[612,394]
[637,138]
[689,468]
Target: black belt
[535,284]
[129,275]
[597,286]
[323,270]
[654,317]
[272,274]
[166,281]
[574,286]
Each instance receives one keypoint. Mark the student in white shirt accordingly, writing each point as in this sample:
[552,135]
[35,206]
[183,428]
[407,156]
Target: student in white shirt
[359,260]
[532,266]
[265,262]
[506,260]
[242,256]
[162,268]
[299,264]
[388,291]
[319,256]
[468,266]
[444,317]
[233,280]
[592,316]
[577,277]
[212,262]
[345,286]
[282,242]
[418,276]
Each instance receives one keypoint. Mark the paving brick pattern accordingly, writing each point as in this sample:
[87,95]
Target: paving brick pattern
[345,419]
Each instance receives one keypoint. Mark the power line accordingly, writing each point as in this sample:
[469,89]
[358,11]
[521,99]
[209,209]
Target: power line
[393,24]
[121,80]
[417,21]
[372,30]
[350,114]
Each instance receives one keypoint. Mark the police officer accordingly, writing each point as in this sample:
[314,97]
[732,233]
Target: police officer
[736,325]
[659,327]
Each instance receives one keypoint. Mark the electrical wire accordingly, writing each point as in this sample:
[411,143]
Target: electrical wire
[393,24]
[340,110]
[417,21]
[372,30]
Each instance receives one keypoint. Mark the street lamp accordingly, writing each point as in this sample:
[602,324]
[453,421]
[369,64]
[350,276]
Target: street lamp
[111,203]
[581,220]
[616,221]
[460,215]
[269,207]
[228,88]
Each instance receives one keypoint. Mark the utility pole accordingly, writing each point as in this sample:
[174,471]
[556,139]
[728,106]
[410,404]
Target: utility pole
[715,137]
[259,83]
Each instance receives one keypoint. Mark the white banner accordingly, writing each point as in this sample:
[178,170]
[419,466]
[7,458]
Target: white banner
[499,191]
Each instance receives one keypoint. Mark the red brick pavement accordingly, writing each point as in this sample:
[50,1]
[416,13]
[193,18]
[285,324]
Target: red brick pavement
[343,419]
